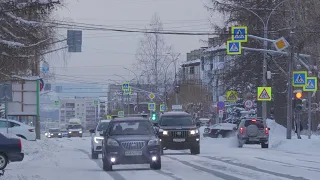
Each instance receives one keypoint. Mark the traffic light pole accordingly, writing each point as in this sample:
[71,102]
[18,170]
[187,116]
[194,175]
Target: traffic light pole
[309,114]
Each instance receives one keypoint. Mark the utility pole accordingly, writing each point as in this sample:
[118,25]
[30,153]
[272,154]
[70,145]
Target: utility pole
[128,98]
[156,63]
[290,89]
[264,70]
[309,114]
[37,73]
[138,97]
[6,105]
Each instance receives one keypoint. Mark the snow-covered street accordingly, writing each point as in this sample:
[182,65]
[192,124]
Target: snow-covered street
[52,159]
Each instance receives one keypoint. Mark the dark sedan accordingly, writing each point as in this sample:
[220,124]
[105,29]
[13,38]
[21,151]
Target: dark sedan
[10,151]
[54,133]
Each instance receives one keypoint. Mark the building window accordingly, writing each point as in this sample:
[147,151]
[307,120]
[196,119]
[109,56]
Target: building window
[192,70]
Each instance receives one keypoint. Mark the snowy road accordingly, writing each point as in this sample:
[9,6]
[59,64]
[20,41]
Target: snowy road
[65,159]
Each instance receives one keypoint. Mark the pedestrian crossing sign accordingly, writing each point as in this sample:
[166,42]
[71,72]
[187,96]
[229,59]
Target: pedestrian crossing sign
[232,96]
[299,78]
[234,48]
[151,106]
[264,94]
[239,33]
[120,114]
[312,84]
[125,85]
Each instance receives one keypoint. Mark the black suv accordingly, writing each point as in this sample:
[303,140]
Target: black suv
[130,140]
[178,131]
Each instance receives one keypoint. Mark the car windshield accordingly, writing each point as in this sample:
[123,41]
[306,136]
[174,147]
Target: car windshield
[258,123]
[54,130]
[75,126]
[131,128]
[176,121]
[103,126]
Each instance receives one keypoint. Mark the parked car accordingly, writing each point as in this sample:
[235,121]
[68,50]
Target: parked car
[220,130]
[10,151]
[19,129]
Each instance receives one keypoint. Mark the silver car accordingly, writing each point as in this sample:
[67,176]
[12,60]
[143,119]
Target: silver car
[253,131]
[96,139]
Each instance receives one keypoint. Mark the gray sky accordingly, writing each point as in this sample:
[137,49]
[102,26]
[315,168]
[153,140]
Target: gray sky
[106,53]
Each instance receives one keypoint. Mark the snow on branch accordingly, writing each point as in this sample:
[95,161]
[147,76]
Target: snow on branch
[18,44]
[20,20]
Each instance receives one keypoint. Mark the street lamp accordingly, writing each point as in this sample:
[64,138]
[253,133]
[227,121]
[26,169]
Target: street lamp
[265,44]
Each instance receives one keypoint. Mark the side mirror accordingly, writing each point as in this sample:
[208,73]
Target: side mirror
[102,133]
[92,131]
[198,124]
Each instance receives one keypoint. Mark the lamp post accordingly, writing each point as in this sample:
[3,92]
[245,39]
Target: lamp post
[264,69]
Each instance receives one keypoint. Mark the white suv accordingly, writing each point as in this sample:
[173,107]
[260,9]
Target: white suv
[96,139]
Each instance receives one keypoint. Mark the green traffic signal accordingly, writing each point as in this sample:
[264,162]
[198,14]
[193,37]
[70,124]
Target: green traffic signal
[154,116]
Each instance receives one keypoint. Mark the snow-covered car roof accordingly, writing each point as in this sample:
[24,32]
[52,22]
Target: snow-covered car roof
[176,113]
[224,126]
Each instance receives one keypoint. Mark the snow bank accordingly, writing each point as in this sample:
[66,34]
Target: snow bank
[39,149]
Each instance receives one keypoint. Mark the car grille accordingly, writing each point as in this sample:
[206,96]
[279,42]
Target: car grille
[179,134]
[133,145]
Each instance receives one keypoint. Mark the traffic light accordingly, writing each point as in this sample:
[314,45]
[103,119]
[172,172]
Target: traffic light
[154,116]
[297,102]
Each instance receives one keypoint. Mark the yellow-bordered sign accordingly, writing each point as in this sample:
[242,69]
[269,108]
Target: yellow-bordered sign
[232,96]
[264,94]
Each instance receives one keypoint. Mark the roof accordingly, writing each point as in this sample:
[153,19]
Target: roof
[105,120]
[131,119]
[176,113]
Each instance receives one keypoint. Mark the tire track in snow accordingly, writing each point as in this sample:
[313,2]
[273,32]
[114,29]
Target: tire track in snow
[210,171]
[253,168]
[114,175]
[118,176]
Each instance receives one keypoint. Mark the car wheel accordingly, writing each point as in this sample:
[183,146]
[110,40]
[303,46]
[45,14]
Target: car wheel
[156,165]
[106,165]
[195,150]
[94,155]
[264,145]
[3,161]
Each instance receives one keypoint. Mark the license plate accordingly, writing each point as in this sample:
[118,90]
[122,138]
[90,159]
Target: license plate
[133,153]
[179,140]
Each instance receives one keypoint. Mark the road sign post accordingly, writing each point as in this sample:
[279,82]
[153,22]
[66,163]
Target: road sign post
[74,40]
[239,33]
[232,96]
[220,105]
[125,86]
[281,44]
[299,78]
[57,103]
[234,48]
[151,96]
[96,102]
[120,114]
[151,106]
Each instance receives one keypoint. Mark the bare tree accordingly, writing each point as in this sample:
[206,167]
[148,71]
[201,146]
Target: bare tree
[153,55]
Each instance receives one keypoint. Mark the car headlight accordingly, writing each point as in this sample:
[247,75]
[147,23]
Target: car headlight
[194,131]
[51,134]
[165,132]
[59,134]
[98,139]
[112,142]
[45,134]
[154,142]
[69,132]
[80,131]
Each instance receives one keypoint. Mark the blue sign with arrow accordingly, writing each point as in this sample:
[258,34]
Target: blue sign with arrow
[162,107]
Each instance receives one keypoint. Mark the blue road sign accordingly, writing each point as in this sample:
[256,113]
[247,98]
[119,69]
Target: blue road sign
[125,86]
[152,106]
[96,102]
[312,84]
[120,113]
[162,107]
[45,69]
[240,33]
[234,48]
[299,78]
[220,105]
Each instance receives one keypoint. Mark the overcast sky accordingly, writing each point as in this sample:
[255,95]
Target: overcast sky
[106,53]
